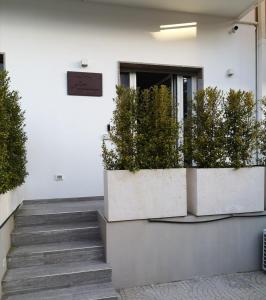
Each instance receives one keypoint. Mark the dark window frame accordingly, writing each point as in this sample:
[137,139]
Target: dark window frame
[2,60]
[185,71]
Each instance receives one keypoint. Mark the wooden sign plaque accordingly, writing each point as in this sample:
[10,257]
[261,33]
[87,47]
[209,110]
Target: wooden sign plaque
[84,84]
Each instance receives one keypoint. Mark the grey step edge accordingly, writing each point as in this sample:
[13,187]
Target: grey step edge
[40,235]
[47,201]
[22,257]
[25,280]
[54,218]
[103,291]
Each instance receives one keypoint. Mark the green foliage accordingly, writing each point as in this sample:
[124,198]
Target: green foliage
[123,132]
[144,131]
[12,137]
[241,127]
[222,130]
[262,139]
[157,130]
[205,134]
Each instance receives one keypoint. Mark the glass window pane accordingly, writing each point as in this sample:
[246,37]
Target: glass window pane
[187,96]
[1,61]
[124,79]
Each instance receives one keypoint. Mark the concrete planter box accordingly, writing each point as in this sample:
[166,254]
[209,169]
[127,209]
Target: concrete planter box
[9,203]
[225,191]
[145,194]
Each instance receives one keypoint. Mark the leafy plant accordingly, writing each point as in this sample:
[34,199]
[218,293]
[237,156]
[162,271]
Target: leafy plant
[205,134]
[144,131]
[242,128]
[157,130]
[12,137]
[122,132]
[222,130]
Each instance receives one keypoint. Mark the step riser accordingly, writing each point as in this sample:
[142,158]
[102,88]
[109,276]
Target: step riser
[65,256]
[80,297]
[79,293]
[33,238]
[62,218]
[61,200]
[23,286]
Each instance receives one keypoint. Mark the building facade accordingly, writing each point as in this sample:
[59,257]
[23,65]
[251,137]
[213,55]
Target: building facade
[40,41]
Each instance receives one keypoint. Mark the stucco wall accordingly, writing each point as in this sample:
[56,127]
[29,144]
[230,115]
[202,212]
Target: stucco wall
[263,68]
[45,39]
[143,253]
[262,49]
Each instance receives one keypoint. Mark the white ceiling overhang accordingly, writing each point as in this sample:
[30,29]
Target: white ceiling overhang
[222,8]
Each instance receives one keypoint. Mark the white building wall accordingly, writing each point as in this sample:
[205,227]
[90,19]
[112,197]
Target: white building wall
[262,48]
[45,39]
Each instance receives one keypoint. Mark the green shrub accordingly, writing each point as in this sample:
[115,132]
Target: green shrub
[205,134]
[12,137]
[262,139]
[144,131]
[242,128]
[222,130]
[157,130]
[123,132]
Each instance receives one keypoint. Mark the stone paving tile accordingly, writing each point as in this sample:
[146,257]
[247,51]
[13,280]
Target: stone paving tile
[240,286]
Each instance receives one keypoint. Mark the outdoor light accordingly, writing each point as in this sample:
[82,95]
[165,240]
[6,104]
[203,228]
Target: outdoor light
[230,72]
[180,25]
[171,32]
[84,63]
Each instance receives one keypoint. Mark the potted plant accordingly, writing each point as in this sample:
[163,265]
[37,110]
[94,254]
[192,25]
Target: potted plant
[143,175]
[12,148]
[220,146]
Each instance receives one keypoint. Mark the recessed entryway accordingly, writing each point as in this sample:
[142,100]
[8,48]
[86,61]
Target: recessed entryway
[183,81]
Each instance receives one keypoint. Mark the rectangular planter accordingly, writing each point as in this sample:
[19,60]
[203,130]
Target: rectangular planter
[145,194]
[9,202]
[225,191]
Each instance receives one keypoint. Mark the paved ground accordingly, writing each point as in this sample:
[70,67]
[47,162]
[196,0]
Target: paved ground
[241,286]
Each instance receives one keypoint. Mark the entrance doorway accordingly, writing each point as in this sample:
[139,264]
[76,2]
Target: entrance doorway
[183,82]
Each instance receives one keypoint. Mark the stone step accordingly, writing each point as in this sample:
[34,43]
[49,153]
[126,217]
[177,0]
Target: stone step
[103,291]
[41,234]
[58,200]
[27,217]
[25,280]
[43,254]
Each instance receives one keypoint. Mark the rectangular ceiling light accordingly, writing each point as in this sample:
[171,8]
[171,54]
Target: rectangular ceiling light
[180,25]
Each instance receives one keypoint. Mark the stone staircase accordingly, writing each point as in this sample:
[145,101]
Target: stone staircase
[57,253]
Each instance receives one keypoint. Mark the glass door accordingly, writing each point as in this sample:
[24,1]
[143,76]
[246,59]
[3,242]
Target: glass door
[183,88]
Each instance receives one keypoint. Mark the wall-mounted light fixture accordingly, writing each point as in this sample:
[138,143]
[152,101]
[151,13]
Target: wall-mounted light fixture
[179,25]
[230,73]
[84,63]
[173,32]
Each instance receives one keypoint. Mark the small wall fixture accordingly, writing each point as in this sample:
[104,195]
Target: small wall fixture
[84,63]
[230,73]
[59,177]
[234,29]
